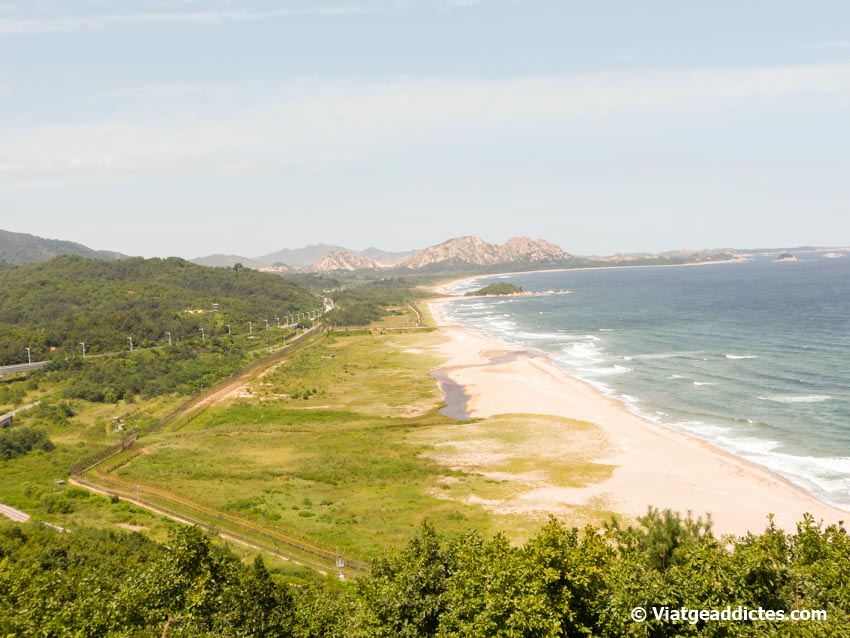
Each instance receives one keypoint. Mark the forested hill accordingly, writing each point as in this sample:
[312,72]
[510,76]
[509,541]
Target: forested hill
[22,248]
[68,300]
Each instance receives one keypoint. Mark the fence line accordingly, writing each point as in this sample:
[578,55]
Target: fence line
[87,463]
[138,491]
[94,464]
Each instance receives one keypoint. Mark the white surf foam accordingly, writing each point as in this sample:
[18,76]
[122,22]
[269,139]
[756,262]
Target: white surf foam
[604,372]
[583,350]
[792,398]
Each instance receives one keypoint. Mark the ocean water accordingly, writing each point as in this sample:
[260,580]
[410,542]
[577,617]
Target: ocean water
[753,357]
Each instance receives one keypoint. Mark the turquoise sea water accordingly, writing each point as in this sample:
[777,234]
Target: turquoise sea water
[753,357]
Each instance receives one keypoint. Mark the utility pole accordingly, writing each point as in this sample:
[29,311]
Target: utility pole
[131,343]
[203,335]
[340,565]
[227,325]
[250,328]
[169,338]
[29,355]
[278,321]
[267,323]
[83,344]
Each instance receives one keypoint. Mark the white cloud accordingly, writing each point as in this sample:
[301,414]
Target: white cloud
[836,44]
[19,25]
[125,13]
[457,4]
[251,127]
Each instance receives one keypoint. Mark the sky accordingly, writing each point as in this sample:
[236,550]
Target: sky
[192,127]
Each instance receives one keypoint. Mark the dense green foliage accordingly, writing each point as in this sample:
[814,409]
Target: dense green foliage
[496,289]
[183,368]
[562,582]
[17,441]
[51,307]
[361,305]
[94,583]
[12,392]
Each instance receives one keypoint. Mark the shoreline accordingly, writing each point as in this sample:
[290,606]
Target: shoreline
[654,465]
[442,289]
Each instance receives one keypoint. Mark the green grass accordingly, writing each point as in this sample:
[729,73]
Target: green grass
[33,483]
[342,444]
[397,317]
[371,374]
[342,479]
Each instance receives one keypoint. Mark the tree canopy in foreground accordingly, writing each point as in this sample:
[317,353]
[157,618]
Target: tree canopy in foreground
[562,582]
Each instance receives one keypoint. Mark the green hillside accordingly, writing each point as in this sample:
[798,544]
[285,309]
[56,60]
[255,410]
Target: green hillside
[52,306]
[21,248]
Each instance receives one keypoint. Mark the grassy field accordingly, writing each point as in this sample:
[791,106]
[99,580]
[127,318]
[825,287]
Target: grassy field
[343,445]
[318,447]
[340,446]
[37,482]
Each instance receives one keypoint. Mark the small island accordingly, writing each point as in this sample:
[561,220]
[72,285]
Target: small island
[786,257]
[496,289]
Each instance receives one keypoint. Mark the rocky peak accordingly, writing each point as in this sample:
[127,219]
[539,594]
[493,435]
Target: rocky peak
[474,250]
[343,260]
[525,249]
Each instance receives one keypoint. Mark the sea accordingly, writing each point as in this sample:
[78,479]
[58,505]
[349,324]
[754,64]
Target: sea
[753,357]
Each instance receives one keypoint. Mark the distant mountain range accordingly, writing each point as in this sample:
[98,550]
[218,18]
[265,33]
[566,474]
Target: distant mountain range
[460,254]
[460,251]
[305,258]
[21,248]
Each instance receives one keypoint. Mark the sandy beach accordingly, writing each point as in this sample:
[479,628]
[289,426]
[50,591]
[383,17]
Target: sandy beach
[654,465]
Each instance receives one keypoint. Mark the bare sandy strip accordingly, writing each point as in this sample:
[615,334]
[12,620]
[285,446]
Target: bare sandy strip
[654,465]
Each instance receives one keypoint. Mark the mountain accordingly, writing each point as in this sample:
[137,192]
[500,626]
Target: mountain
[299,256]
[674,256]
[21,248]
[226,261]
[475,251]
[387,257]
[305,258]
[343,260]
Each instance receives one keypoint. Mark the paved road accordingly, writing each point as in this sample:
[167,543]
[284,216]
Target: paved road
[22,367]
[16,515]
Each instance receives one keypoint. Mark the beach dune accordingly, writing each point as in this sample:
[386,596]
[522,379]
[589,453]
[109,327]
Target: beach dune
[655,465]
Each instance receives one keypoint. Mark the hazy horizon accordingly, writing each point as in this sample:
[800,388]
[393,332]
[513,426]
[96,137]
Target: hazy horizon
[837,246]
[172,127]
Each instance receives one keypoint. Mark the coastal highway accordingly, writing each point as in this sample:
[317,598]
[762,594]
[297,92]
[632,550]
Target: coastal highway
[22,367]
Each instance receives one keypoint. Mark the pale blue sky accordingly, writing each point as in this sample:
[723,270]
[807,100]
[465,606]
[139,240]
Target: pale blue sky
[188,127]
